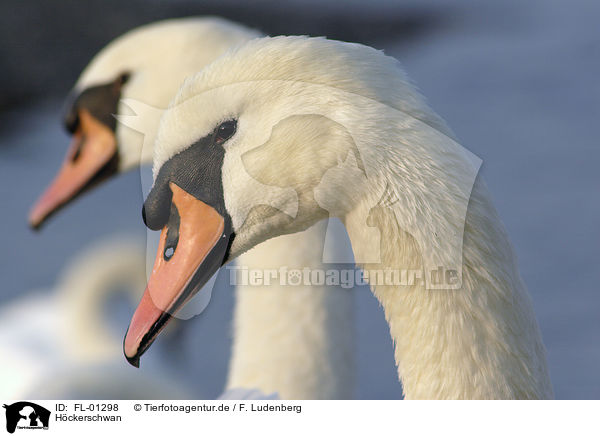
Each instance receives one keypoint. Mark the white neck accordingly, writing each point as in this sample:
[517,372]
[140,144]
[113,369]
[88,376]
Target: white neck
[297,341]
[478,342]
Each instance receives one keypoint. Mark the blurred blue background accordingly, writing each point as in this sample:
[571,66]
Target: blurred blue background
[517,81]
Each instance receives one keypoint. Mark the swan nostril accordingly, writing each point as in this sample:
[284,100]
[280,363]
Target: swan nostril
[80,144]
[172,234]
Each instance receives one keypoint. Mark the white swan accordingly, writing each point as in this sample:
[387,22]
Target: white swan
[343,126]
[296,341]
[57,344]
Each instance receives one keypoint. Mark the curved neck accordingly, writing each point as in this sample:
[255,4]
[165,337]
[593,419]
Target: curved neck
[111,267]
[477,342]
[295,340]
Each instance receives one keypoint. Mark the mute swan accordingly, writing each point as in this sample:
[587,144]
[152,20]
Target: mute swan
[296,341]
[343,126]
[58,344]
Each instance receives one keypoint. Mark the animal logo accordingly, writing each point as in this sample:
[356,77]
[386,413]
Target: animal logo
[26,415]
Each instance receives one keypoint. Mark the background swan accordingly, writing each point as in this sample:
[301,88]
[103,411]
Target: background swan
[353,136]
[296,341]
[61,343]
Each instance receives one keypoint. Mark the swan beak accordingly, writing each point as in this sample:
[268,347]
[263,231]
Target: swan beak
[92,157]
[192,247]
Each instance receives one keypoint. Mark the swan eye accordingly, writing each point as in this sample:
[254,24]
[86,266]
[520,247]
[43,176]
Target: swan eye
[225,131]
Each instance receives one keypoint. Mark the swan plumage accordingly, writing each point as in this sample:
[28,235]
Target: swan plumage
[342,124]
[57,343]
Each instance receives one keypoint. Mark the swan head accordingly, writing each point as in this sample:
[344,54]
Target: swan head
[268,139]
[113,111]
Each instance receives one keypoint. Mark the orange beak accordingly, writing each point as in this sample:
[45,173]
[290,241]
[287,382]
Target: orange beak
[192,247]
[92,156]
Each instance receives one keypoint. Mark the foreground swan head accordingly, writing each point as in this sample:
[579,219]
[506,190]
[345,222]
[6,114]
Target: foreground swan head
[146,65]
[282,132]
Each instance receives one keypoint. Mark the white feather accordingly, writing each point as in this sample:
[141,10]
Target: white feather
[57,344]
